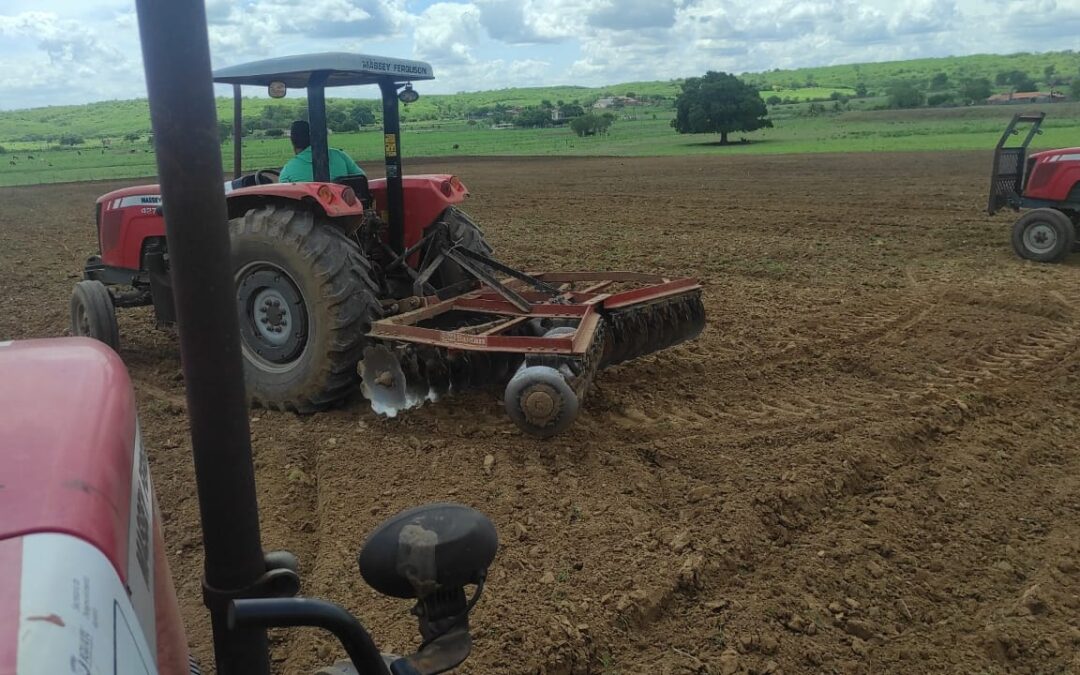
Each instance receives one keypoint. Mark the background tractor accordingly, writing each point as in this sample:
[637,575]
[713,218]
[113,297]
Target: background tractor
[389,272]
[1047,183]
[86,587]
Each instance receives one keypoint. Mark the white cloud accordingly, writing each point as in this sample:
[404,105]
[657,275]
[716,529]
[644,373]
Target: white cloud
[46,58]
[67,51]
[446,33]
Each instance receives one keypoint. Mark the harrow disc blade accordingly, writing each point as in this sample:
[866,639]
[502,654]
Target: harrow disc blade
[384,383]
[643,329]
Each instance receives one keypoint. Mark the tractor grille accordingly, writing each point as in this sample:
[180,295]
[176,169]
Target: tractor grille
[1074,194]
[1008,176]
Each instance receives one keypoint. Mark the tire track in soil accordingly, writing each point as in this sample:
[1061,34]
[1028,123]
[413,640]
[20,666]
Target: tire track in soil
[1008,359]
[863,326]
[937,403]
[294,517]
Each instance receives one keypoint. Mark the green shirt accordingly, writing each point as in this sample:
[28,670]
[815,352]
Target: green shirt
[298,169]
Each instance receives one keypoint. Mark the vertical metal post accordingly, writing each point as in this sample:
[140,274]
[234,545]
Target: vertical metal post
[395,193]
[238,130]
[176,55]
[316,105]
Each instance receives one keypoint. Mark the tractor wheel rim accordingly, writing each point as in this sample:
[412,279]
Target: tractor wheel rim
[1040,238]
[273,319]
[273,316]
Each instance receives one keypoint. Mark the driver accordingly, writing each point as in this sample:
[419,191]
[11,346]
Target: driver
[298,169]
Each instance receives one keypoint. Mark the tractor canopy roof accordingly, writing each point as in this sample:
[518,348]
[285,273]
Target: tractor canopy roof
[342,70]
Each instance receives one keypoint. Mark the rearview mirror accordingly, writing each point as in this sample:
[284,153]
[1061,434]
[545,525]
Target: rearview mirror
[432,553]
[427,549]
[277,90]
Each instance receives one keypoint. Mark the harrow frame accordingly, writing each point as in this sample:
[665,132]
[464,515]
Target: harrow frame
[548,334]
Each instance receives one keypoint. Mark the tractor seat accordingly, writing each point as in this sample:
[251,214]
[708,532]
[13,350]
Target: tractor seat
[359,184]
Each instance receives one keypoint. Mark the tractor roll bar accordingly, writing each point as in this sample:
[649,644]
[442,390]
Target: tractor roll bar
[320,152]
[238,130]
[395,193]
[316,105]
[176,55]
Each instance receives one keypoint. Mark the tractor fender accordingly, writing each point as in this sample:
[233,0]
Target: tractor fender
[128,217]
[426,197]
[328,199]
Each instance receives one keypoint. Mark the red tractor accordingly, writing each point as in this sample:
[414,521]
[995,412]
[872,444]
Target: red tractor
[86,586]
[1047,183]
[389,272]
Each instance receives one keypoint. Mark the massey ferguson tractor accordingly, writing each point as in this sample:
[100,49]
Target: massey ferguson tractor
[1047,183]
[86,587]
[387,272]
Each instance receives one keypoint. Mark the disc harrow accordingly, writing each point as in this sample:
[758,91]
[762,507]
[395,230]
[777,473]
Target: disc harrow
[543,337]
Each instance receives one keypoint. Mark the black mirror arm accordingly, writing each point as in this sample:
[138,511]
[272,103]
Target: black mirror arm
[289,612]
[438,655]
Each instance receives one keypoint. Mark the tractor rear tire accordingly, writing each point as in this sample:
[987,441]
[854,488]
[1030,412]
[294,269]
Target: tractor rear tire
[93,314]
[306,300]
[1043,235]
[465,233]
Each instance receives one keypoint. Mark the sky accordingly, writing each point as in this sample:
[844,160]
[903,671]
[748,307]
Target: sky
[74,51]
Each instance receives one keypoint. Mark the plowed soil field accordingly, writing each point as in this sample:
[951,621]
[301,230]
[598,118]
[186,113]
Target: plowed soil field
[867,463]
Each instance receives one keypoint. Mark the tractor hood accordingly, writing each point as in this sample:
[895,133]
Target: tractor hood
[151,193]
[1057,155]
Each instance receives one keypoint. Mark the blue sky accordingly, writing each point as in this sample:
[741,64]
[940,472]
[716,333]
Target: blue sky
[74,51]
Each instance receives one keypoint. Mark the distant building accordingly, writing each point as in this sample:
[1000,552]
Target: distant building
[616,102]
[1026,97]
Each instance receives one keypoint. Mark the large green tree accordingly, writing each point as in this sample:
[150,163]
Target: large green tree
[719,103]
[976,90]
[905,95]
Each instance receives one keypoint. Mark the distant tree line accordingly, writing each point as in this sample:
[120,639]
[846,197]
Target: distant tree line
[274,119]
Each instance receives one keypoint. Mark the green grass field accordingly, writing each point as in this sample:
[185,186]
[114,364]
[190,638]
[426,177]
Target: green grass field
[856,131]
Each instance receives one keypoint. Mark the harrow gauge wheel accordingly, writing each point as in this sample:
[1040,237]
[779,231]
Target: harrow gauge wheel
[93,314]
[540,401]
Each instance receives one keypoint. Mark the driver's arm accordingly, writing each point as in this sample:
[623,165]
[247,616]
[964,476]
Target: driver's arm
[287,176]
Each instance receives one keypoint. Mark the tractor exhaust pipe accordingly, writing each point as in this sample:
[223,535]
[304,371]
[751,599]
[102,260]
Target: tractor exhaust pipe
[176,55]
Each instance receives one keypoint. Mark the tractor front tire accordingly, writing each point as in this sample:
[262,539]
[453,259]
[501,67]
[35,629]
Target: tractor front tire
[93,314]
[306,301]
[1043,235]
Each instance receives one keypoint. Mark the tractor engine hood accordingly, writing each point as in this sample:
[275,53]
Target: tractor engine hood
[1056,155]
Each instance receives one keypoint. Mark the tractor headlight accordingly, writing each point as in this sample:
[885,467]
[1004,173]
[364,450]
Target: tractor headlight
[408,94]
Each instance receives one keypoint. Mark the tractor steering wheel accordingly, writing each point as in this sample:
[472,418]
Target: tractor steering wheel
[266,176]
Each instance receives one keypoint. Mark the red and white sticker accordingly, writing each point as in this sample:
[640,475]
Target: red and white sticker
[140,562]
[74,613]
